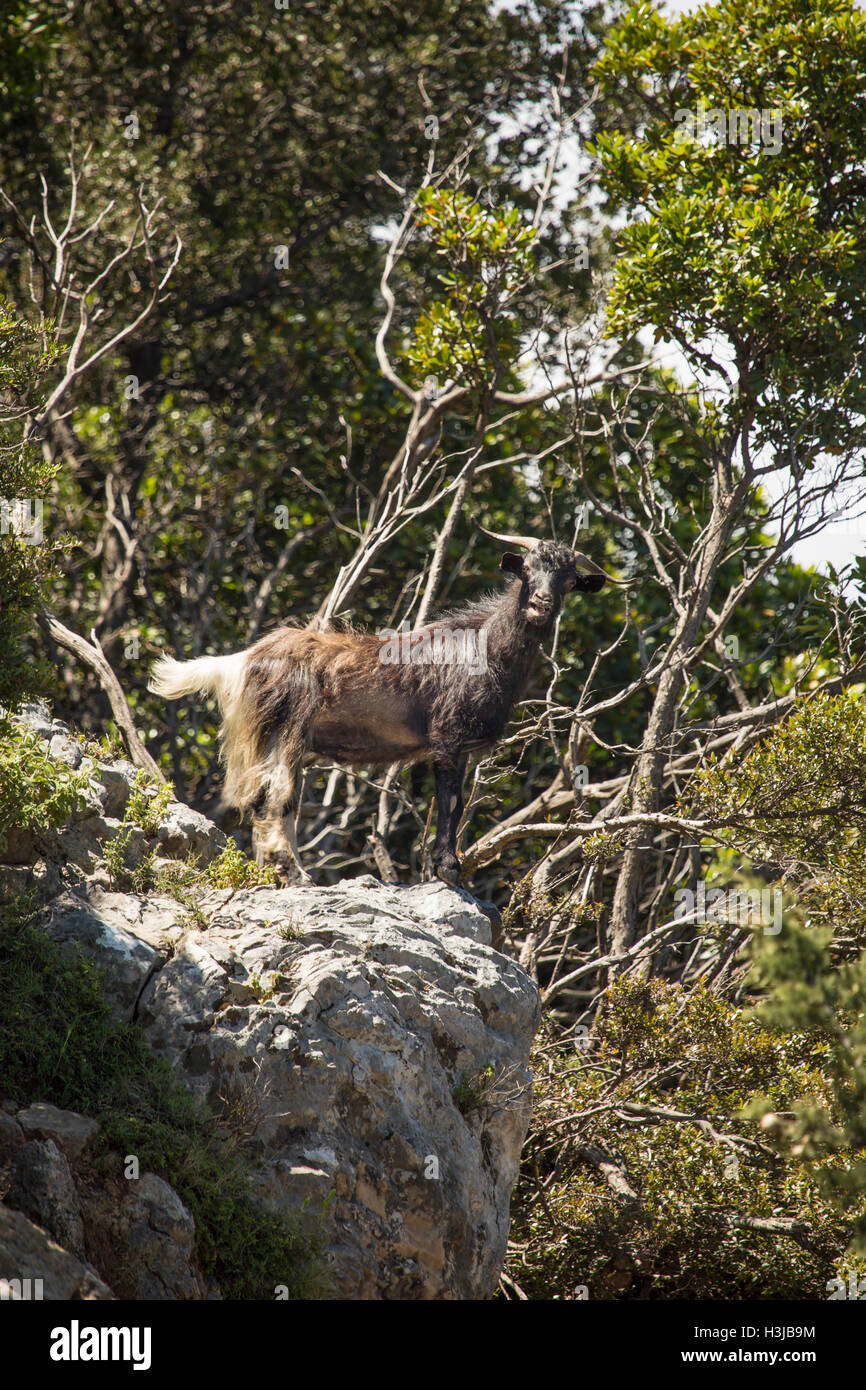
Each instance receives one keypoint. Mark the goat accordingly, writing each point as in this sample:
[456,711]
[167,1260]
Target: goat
[298,695]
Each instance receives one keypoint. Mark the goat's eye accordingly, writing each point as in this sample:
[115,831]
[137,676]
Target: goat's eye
[569,582]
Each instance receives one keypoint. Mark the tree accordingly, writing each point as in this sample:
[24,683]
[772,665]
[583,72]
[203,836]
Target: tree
[271,143]
[750,258]
[26,353]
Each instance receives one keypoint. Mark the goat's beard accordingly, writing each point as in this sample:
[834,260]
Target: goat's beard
[536,617]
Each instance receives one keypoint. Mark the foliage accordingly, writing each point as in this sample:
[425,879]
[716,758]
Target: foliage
[145,808]
[26,557]
[184,881]
[472,1089]
[796,800]
[148,802]
[488,258]
[792,1057]
[809,990]
[36,793]
[659,1094]
[233,869]
[747,240]
[795,804]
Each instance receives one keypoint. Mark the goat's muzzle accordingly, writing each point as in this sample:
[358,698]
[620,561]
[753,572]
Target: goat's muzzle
[539,609]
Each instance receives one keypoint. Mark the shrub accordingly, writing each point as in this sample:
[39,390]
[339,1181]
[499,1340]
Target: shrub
[644,1177]
[35,792]
[232,869]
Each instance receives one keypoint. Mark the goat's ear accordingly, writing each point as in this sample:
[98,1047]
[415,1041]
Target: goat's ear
[590,583]
[511,562]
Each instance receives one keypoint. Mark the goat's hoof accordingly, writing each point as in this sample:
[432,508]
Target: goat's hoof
[286,872]
[293,878]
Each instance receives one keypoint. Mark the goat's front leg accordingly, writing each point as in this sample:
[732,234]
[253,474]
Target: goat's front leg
[449,808]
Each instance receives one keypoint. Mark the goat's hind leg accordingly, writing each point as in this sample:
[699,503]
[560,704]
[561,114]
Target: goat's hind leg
[275,839]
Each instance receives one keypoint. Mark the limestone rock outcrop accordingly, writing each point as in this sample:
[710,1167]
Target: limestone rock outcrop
[368,1043]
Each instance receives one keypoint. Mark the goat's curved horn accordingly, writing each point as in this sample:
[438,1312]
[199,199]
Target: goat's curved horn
[525,542]
[583,562]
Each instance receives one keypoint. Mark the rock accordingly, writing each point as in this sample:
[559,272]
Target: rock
[81,841]
[435,902]
[369,1011]
[34,1266]
[36,716]
[65,750]
[97,818]
[183,831]
[45,879]
[117,779]
[21,845]
[71,1133]
[11,1138]
[103,931]
[92,801]
[44,1190]
[364,1043]
[145,1241]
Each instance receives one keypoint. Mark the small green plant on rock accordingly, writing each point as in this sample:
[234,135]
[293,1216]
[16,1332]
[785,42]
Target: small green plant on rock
[36,794]
[472,1089]
[145,810]
[232,869]
[148,803]
[108,747]
[260,988]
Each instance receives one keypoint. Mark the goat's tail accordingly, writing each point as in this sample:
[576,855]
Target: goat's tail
[221,676]
[224,677]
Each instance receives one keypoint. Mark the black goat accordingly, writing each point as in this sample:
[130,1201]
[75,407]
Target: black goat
[439,693]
